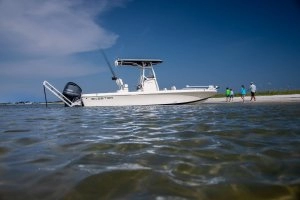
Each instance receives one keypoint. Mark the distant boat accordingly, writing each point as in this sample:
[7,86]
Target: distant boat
[147,91]
[24,103]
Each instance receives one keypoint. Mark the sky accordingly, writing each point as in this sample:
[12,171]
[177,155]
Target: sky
[201,42]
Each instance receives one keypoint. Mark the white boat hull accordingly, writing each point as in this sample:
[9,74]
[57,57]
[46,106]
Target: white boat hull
[167,97]
[147,90]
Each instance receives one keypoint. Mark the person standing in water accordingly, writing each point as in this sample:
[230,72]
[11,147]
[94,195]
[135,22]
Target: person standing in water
[253,91]
[243,93]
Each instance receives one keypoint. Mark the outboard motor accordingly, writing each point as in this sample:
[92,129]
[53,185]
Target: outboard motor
[72,91]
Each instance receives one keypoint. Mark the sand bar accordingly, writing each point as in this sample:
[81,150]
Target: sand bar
[259,99]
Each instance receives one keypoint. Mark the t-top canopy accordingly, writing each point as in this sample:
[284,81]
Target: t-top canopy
[138,62]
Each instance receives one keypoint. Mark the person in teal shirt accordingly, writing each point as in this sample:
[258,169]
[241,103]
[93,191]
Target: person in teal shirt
[243,93]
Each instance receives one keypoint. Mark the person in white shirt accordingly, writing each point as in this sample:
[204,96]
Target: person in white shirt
[231,95]
[253,91]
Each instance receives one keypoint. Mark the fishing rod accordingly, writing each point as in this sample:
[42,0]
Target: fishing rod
[114,77]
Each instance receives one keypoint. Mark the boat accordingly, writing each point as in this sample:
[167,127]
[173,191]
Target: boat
[147,91]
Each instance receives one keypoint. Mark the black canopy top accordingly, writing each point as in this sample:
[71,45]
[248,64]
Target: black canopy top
[138,62]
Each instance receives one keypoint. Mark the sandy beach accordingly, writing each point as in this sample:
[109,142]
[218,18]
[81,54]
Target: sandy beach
[259,99]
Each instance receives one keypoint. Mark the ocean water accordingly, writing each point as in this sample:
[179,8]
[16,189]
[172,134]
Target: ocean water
[205,151]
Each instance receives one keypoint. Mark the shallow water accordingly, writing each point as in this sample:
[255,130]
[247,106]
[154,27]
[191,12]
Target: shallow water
[206,151]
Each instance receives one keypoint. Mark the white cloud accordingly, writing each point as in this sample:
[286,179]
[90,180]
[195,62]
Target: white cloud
[44,40]
[53,27]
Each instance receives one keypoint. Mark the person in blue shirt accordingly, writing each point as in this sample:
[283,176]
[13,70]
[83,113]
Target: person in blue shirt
[243,93]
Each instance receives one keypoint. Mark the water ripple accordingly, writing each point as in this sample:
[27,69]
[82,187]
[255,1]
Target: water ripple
[227,151]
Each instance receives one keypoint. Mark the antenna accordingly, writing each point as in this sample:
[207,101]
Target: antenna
[114,77]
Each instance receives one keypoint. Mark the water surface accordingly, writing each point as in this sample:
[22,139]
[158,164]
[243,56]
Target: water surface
[206,151]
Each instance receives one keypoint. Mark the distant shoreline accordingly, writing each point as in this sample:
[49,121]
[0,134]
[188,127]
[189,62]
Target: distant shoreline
[259,99]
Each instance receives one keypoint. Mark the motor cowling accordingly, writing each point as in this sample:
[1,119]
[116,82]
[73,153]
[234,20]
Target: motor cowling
[72,91]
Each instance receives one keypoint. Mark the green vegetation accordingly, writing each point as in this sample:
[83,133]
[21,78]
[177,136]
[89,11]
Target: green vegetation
[266,93]
[281,92]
